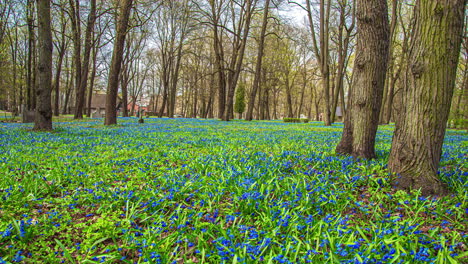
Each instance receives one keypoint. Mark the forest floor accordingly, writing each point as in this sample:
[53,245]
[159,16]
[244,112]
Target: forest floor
[206,191]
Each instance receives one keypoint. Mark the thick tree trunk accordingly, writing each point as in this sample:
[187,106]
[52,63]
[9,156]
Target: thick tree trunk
[43,119]
[370,67]
[419,134]
[116,62]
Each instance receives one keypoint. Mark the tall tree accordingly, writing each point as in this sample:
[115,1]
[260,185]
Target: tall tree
[82,64]
[419,134]
[370,68]
[240,36]
[322,51]
[116,62]
[258,65]
[43,119]
[30,99]
[61,46]
[344,39]
[216,9]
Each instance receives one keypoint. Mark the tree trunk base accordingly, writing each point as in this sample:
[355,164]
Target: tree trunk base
[427,182]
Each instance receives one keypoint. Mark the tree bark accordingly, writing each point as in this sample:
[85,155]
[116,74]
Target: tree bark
[370,68]
[31,40]
[343,47]
[391,60]
[61,46]
[92,78]
[322,54]
[325,62]
[116,62]
[43,118]
[237,58]
[76,32]
[419,134]
[258,65]
[68,86]
[83,80]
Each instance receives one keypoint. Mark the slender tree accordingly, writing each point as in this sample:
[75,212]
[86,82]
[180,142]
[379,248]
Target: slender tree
[258,65]
[61,46]
[116,62]
[30,64]
[322,50]
[43,119]
[82,64]
[419,134]
[370,68]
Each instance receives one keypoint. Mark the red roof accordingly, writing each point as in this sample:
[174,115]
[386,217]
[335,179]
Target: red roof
[129,107]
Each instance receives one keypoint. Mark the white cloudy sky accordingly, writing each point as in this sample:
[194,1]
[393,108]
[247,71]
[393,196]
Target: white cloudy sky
[293,12]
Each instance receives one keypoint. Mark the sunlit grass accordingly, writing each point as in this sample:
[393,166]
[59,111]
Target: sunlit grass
[206,191]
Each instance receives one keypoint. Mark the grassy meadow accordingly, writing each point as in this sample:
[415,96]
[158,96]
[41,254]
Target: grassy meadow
[206,191]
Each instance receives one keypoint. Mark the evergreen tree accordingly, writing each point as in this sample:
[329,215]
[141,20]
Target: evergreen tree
[239,106]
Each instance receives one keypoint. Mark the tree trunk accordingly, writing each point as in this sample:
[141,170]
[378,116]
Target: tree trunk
[258,65]
[35,81]
[391,60]
[419,134]
[43,119]
[92,79]
[57,81]
[219,59]
[61,46]
[83,81]
[14,57]
[175,78]
[289,98]
[124,80]
[30,67]
[69,86]
[370,68]
[322,54]
[238,57]
[76,29]
[116,62]
[325,62]
[343,47]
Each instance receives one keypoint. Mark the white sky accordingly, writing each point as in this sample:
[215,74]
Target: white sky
[295,13]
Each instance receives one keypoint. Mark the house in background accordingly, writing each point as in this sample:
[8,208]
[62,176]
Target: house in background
[136,107]
[98,104]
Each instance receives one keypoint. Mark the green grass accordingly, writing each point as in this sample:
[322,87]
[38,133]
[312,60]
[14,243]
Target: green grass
[206,191]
